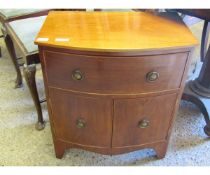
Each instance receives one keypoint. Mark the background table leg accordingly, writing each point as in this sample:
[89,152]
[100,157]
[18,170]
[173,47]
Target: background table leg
[11,49]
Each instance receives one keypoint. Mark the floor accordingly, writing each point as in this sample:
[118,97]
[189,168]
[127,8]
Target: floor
[21,144]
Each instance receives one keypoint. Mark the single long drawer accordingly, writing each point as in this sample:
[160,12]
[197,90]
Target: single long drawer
[114,75]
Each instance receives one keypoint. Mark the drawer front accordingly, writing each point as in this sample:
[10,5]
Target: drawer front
[142,120]
[81,120]
[115,75]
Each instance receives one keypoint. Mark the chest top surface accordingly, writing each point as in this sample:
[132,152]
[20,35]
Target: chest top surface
[114,31]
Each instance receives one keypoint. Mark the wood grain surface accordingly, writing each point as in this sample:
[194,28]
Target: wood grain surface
[114,31]
[114,75]
[95,113]
[113,97]
[156,110]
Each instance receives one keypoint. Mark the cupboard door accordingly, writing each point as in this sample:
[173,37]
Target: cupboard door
[81,120]
[142,120]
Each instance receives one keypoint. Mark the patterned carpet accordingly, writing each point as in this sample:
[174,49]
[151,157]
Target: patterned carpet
[21,144]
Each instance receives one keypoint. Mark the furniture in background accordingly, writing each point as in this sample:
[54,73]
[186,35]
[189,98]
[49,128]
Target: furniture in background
[9,15]
[198,90]
[114,80]
[205,15]
[22,33]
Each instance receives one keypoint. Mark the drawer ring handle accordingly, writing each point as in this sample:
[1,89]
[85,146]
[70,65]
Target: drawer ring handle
[152,76]
[80,123]
[143,123]
[77,75]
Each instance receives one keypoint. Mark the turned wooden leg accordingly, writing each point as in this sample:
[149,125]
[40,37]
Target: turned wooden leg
[204,39]
[11,49]
[160,150]
[29,74]
[59,149]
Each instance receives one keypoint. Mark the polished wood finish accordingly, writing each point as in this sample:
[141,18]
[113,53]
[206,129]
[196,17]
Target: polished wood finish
[123,31]
[95,113]
[106,75]
[100,99]
[136,111]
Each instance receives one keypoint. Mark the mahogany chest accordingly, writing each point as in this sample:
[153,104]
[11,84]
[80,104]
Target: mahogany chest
[113,80]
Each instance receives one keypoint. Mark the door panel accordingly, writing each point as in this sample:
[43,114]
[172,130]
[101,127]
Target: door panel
[81,120]
[142,120]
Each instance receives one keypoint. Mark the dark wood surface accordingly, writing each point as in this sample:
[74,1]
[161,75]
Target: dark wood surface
[107,75]
[200,13]
[95,113]
[204,76]
[205,15]
[198,90]
[111,120]
[130,113]
[204,39]
[115,115]
[29,72]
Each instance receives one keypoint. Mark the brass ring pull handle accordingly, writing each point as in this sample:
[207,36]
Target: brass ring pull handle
[77,74]
[143,123]
[80,123]
[152,76]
